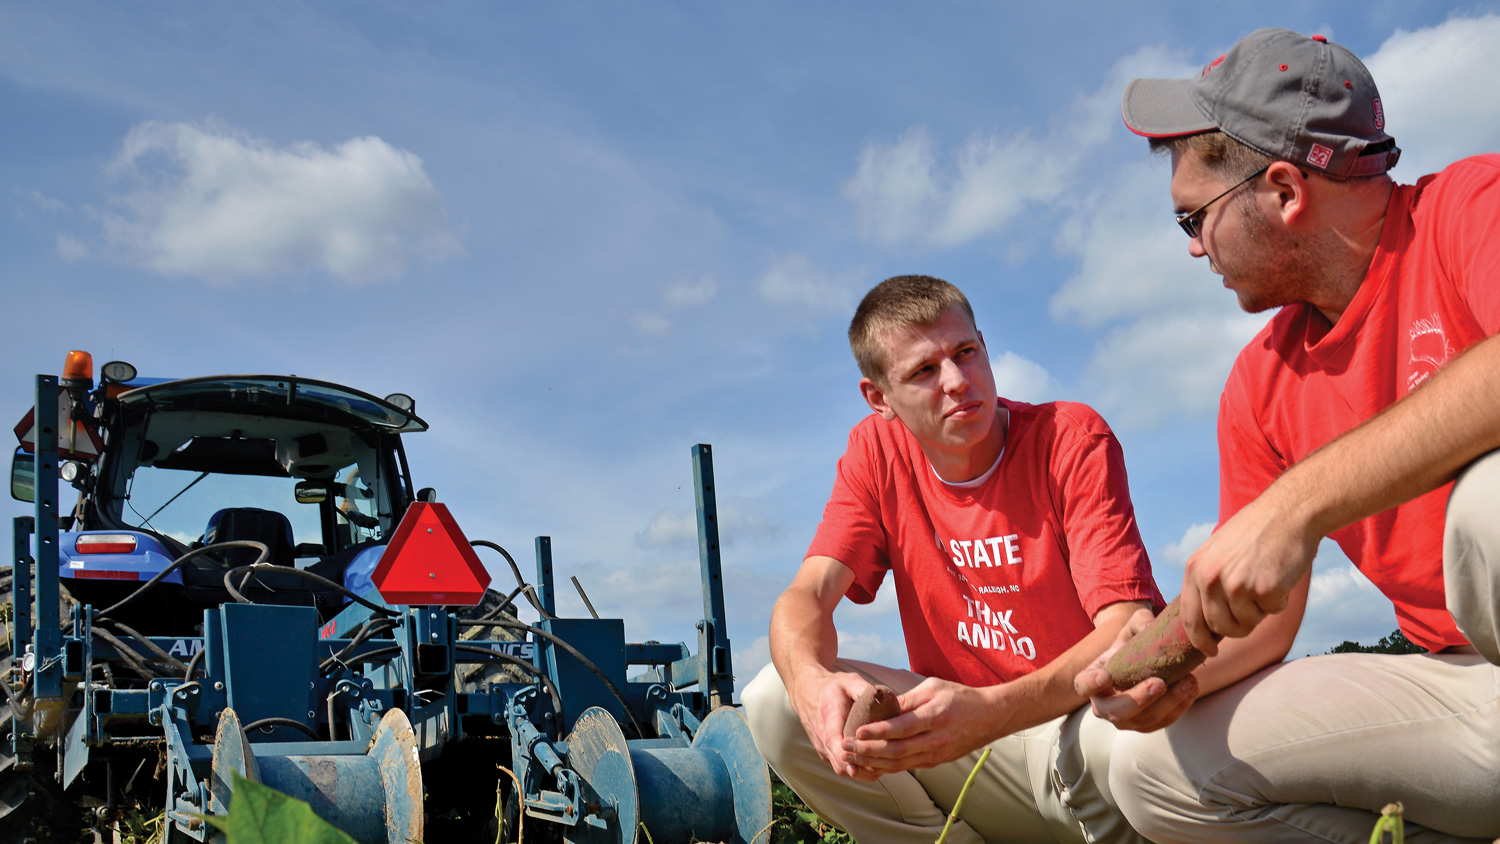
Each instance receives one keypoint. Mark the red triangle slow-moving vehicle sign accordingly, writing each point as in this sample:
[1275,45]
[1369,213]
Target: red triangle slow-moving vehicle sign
[77,439]
[429,562]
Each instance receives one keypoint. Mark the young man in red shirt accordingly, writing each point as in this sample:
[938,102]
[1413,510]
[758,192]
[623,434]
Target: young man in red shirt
[1350,416]
[1008,533]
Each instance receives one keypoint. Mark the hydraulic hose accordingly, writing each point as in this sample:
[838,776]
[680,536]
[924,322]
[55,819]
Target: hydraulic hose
[495,656]
[305,575]
[128,655]
[177,563]
[194,663]
[573,652]
[521,584]
[152,647]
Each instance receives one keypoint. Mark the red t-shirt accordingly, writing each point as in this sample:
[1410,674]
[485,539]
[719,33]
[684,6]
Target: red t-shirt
[996,580]
[1433,290]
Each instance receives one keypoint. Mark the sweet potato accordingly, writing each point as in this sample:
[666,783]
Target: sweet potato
[1160,650]
[877,703]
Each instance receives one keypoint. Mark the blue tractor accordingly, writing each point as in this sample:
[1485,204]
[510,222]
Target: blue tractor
[249,585]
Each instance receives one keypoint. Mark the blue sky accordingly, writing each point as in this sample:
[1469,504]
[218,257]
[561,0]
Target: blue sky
[587,236]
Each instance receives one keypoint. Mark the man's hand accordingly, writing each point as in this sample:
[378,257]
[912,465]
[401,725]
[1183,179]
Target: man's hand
[940,721]
[804,646]
[1147,706]
[823,702]
[1245,571]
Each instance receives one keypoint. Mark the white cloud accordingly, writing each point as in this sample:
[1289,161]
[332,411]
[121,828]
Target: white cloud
[654,325]
[42,201]
[71,249]
[883,610]
[1144,373]
[677,527]
[672,526]
[1342,605]
[894,187]
[677,296]
[660,600]
[996,179]
[1132,259]
[1020,379]
[873,647]
[1437,103]
[748,661]
[1175,330]
[899,195]
[1177,553]
[902,192]
[1336,583]
[688,294]
[794,280]
[217,204]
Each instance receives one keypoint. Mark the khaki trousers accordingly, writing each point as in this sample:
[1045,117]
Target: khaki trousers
[1046,784]
[1471,554]
[1310,750]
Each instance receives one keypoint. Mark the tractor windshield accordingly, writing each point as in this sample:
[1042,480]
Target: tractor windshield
[306,468]
[182,503]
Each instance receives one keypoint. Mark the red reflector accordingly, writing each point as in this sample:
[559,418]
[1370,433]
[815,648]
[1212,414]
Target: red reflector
[105,575]
[429,562]
[106,543]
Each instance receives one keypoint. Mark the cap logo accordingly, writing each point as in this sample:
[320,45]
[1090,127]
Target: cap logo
[1379,115]
[1319,156]
[1211,65]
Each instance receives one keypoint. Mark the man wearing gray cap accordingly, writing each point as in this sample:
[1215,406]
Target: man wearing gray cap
[1367,410]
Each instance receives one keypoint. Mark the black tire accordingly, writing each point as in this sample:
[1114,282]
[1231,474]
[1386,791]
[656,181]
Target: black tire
[473,677]
[32,807]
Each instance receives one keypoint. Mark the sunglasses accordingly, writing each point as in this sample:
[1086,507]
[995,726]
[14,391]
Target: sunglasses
[1192,221]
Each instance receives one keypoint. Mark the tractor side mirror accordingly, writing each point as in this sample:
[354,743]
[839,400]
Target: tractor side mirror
[311,492]
[23,476]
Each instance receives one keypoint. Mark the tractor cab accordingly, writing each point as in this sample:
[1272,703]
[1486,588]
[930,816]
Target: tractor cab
[313,471]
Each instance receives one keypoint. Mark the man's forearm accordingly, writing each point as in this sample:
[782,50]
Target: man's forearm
[1249,567]
[1412,447]
[1049,691]
[803,637]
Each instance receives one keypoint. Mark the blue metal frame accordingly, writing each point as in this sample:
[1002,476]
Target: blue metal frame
[716,670]
[47,677]
[261,661]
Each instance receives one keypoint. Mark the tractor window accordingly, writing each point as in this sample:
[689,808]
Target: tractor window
[357,506]
[176,470]
[179,503]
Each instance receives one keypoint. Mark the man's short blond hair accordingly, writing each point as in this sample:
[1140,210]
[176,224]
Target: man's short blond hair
[903,301]
[1222,155]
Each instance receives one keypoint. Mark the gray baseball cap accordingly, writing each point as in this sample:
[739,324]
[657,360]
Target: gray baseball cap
[1293,97]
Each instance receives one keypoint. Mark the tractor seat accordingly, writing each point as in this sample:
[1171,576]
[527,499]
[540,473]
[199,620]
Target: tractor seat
[203,576]
[267,527]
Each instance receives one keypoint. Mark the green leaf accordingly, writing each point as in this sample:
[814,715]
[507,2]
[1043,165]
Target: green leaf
[260,814]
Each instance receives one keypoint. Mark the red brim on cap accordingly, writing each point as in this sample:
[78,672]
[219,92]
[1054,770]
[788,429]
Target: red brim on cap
[1163,108]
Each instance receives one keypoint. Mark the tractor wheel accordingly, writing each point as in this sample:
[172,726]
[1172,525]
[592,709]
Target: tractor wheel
[32,808]
[475,676]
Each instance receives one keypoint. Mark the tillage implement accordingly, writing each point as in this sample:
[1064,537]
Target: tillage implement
[248,585]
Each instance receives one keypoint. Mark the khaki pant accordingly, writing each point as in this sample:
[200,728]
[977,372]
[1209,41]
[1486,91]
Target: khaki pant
[1471,554]
[1043,785]
[1311,749]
